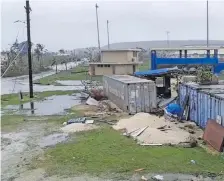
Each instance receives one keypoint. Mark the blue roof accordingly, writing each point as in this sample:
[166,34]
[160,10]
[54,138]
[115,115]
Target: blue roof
[152,72]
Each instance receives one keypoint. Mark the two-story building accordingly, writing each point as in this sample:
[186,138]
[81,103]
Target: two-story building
[121,61]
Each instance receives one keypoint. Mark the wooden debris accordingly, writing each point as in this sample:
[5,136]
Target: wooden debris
[140,131]
[151,144]
[140,169]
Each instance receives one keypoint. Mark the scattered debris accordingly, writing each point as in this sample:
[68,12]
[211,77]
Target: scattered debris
[77,120]
[157,177]
[91,101]
[140,169]
[89,121]
[144,178]
[77,127]
[191,131]
[140,131]
[97,93]
[152,144]
[152,135]
[84,95]
[157,111]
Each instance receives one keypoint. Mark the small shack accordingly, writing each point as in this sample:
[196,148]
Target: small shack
[163,89]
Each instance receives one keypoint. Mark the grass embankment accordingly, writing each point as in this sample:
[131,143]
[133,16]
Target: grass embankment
[106,151]
[78,73]
[144,66]
[13,99]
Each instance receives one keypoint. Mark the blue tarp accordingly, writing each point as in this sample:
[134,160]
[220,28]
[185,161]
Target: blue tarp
[155,72]
[174,109]
[152,72]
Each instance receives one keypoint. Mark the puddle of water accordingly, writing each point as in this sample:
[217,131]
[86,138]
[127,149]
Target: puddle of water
[53,139]
[53,105]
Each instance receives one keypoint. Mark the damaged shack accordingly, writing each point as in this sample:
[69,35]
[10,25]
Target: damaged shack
[129,93]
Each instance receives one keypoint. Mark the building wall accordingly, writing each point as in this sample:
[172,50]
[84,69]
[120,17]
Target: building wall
[120,69]
[103,70]
[114,57]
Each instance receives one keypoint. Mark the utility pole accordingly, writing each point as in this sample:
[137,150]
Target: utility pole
[98,33]
[168,38]
[28,9]
[207,26]
[108,36]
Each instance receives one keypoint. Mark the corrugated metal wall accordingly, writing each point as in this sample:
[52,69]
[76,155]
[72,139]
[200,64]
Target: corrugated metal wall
[204,104]
[134,97]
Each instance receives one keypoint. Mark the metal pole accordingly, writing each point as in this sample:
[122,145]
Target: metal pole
[108,36]
[29,48]
[207,26]
[168,39]
[97,27]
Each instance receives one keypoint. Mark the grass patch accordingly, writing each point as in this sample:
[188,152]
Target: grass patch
[11,122]
[106,151]
[144,66]
[13,99]
[73,74]
[221,77]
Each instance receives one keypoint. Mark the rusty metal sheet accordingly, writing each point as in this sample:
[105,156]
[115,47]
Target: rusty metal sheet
[214,135]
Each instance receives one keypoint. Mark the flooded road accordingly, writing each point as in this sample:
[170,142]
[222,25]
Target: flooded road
[11,85]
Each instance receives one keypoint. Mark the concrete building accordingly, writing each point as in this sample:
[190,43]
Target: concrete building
[123,61]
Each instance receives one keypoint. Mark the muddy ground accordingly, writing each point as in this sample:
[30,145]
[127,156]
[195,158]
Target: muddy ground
[29,141]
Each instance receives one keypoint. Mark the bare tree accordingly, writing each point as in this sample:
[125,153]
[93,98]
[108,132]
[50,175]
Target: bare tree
[92,54]
[61,51]
[141,54]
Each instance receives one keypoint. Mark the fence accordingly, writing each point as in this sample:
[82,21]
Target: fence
[205,102]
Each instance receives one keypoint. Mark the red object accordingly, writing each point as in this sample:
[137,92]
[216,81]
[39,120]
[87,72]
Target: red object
[214,135]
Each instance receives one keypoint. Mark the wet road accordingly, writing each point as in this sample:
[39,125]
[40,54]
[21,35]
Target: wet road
[11,85]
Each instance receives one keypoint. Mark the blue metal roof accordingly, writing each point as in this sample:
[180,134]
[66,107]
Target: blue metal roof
[153,72]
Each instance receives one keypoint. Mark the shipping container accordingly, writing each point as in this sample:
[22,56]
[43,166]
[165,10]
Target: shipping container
[205,102]
[130,93]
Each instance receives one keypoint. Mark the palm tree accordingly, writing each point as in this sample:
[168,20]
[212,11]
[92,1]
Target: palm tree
[39,52]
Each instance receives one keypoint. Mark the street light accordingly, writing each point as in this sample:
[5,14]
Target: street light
[168,38]
[98,33]
[108,36]
[207,26]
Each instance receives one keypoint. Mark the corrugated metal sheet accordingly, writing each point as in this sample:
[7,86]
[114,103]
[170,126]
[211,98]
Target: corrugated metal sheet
[206,102]
[130,93]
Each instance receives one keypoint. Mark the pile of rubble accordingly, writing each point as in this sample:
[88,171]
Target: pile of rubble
[149,129]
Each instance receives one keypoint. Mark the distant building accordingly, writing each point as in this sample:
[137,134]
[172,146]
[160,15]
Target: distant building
[121,61]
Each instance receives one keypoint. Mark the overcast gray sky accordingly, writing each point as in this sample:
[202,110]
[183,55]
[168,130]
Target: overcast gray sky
[72,24]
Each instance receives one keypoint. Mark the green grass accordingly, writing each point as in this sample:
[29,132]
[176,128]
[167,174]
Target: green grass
[221,77]
[13,99]
[69,75]
[11,122]
[144,66]
[106,151]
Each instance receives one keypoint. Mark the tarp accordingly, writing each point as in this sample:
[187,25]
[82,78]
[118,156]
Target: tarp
[156,72]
